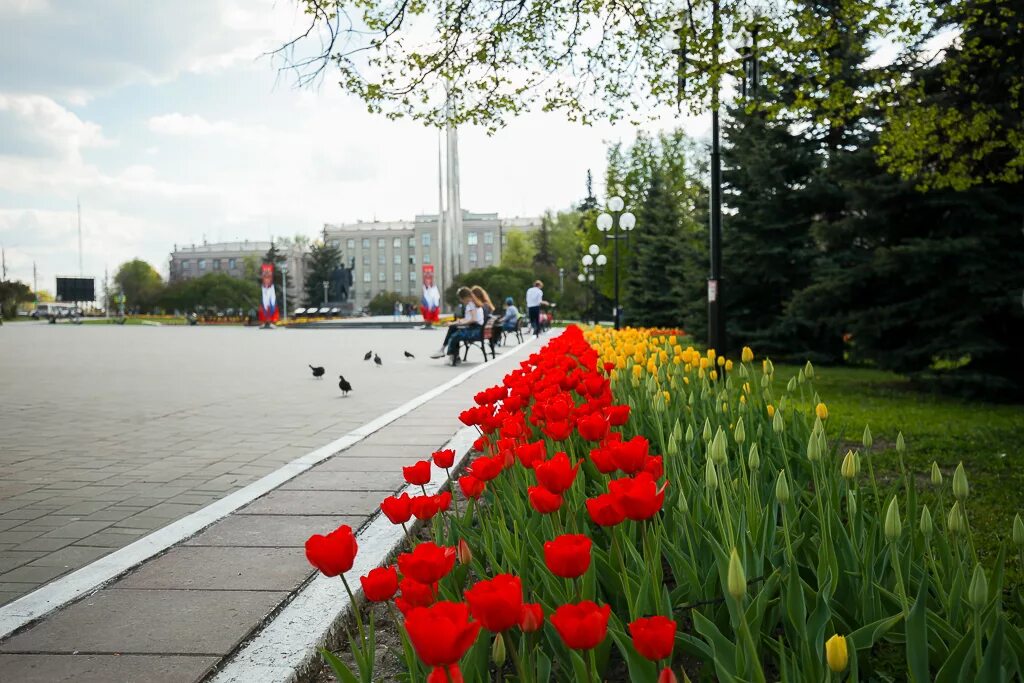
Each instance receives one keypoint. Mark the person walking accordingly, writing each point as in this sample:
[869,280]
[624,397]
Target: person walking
[534,300]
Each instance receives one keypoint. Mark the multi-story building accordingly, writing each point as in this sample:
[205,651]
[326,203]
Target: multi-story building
[389,256]
[229,258]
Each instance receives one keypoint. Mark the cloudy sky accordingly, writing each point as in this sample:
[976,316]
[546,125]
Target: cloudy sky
[164,120]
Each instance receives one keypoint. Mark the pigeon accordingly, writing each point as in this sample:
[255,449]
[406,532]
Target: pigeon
[409,355]
[344,385]
[317,372]
[368,356]
[376,359]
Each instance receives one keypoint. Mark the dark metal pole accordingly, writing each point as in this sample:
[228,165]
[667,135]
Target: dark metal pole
[716,315]
[616,253]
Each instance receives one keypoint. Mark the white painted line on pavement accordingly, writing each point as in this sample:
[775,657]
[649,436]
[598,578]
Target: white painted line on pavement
[285,649]
[44,600]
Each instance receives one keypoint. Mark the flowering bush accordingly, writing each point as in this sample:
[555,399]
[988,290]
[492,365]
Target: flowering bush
[656,505]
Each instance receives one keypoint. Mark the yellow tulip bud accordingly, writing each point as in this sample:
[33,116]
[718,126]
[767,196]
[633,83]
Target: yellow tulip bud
[777,423]
[901,445]
[866,438]
[926,522]
[849,466]
[754,457]
[960,487]
[689,430]
[737,580]
[498,650]
[809,370]
[713,375]
[728,365]
[706,434]
[739,433]
[955,522]
[936,474]
[768,368]
[821,411]
[710,475]
[836,653]
[718,447]
[791,385]
[813,448]
[893,525]
[771,410]
[978,592]
[782,488]
[747,355]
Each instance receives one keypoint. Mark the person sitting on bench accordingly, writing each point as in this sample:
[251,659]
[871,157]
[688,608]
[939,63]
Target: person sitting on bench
[468,327]
[511,317]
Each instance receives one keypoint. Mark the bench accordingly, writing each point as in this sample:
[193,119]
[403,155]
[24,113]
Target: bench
[490,327]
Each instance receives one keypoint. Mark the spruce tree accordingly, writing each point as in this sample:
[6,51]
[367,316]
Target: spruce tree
[323,259]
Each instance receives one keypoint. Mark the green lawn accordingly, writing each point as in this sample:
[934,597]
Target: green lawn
[988,438]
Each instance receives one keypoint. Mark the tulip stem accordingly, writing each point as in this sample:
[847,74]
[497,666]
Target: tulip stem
[592,666]
[514,652]
[617,550]
[894,556]
[410,659]
[356,612]
[451,487]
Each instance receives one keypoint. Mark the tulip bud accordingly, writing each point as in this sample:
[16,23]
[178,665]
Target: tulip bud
[809,370]
[691,399]
[836,653]
[689,430]
[901,445]
[710,475]
[782,488]
[955,520]
[683,504]
[893,525]
[739,433]
[936,474]
[800,378]
[1018,530]
[777,423]
[768,368]
[849,466]
[737,583]
[747,355]
[743,370]
[719,447]
[765,381]
[498,650]
[463,553]
[706,434]
[753,458]
[926,522]
[728,366]
[813,448]
[720,360]
[866,438]
[977,594]
[782,404]
[667,676]
[960,487]
[821,411]
[791,385]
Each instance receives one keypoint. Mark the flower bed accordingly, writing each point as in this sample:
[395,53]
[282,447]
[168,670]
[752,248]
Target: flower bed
[646,511]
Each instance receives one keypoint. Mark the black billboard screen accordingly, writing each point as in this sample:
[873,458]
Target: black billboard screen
[76,289]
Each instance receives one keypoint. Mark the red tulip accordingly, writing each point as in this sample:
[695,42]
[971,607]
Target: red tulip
[471,486]
[556,474]
[441,633]
[487,468]
[531,617]
[617,415]
[418,474]
[653,637]
[557,409]
[667,676]
[427,562]
[425,507]
[593,427]
[605,510]
[631,455]
[530,454]
[497,603]
[608,367]
[415,594]
[334,553]
[582,626]
[603,459]
[444,459]
[558,430]
[462,552]
[446,674]
[397,510]
[595,384]
[639,497]
[380,584]
[542,500]
[471,416]
[654,466]
[568,555]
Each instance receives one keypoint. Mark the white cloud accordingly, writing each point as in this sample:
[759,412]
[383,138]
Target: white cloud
[188,125]
[34,125]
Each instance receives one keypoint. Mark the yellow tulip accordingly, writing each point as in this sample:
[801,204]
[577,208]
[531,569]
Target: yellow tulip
[704,362]
[747,355]
[771,410]
[821,411]
[836,654]
[720,360]
[728,365]
[711,355]
[713,375]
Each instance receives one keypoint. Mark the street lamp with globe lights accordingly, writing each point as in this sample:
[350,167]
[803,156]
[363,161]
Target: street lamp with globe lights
[607,225]
[591,261]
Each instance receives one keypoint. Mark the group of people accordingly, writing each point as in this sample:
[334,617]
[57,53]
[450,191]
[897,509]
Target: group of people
[477,309]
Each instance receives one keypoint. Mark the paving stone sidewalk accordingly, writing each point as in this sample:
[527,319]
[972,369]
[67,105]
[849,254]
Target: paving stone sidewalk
[177,616]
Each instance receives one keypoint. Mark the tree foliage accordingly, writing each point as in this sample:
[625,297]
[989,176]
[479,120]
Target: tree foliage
[218,291]
[383,303]
[13,293]
[323,259]
[518,251]
[498,281]
[140,284]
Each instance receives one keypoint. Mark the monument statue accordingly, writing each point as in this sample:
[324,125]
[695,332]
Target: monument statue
[341,282]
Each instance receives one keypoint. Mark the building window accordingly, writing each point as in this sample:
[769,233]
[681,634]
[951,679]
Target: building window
[397,243]
[488,256]
[351,244]
[412,242]
[397,260]
[426,257]
[472,257]
[381,256]
[216,264]
[398,276]
[426,239]
[366,276]
[504,240]
[471,238]
[366,243]
[186,265]
[202,264]
[380,242]
[231,264]
[382,276]
[488,237]
[412,259]
[412,276]
[366,259]
[335,243]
